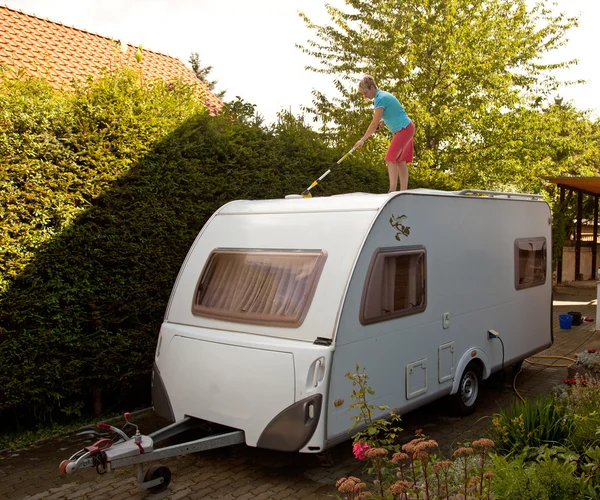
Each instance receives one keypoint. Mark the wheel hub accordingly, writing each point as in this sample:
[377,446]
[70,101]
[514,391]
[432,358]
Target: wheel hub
[469,389]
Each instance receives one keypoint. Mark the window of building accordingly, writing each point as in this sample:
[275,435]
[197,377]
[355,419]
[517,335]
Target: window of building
[530,262]
[267,287]
[395,286]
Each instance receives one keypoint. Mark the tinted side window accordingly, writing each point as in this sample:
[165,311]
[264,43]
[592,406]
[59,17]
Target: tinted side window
[266,287]
[530,262]
[395,285]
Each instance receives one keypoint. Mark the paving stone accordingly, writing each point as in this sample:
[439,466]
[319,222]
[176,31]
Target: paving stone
[181,494]
[242,472]
[200,494]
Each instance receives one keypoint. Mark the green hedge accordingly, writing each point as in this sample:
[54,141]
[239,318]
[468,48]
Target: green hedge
[102,190]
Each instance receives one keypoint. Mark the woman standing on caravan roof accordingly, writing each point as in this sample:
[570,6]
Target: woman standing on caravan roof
[389,109]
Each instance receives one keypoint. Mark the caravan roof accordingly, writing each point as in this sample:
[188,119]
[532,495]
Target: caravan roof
[351,202]
[341,203]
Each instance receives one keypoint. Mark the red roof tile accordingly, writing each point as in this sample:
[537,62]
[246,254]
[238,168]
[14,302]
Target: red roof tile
[61,53]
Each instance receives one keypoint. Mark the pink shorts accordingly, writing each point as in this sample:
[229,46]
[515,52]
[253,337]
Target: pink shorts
[402,147]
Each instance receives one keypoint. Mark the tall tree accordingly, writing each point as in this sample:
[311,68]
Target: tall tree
[461,68]
[203,72]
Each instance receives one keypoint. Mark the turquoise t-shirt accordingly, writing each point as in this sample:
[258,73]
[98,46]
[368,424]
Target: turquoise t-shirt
[394,116]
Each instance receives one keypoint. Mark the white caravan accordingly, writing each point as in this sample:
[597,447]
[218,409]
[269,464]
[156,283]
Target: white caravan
[277,300]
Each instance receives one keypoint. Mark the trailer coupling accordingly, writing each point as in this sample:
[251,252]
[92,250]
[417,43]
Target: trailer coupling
[122,450]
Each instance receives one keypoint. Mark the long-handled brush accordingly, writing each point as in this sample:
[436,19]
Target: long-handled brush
[306,192]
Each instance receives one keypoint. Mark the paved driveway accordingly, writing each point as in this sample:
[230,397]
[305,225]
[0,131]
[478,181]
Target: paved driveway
[244,473]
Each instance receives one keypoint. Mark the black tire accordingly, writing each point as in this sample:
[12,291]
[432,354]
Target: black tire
[464,402]
[155,472]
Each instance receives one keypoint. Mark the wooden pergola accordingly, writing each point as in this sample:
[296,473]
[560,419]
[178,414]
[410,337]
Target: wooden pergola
[589,186]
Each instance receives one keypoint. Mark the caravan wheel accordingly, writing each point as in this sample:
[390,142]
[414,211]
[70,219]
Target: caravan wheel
[156,471]
[464,401]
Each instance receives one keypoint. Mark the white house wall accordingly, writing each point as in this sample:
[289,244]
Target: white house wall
[585,264]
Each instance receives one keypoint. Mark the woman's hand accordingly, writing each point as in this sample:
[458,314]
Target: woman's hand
[359,144]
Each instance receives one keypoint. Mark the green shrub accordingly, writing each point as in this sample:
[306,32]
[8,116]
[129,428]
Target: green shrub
[74,173]
[549,478]
[582,400]
[537,422]
[102,191]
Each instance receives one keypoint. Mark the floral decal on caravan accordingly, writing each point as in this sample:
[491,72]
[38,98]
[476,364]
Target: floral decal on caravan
[401,229]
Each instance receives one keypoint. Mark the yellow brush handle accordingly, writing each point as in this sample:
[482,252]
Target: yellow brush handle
[344,157]
[306,191]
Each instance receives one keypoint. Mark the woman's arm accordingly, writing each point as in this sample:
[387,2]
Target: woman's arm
[373,126]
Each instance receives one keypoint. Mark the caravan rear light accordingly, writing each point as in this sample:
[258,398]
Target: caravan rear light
[294,426]
[160,399]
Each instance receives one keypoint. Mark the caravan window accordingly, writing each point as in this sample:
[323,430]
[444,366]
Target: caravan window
[395,285]
[530,262]
[266,287]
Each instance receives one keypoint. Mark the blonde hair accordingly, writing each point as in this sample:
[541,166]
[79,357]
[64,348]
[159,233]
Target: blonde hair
[366,83]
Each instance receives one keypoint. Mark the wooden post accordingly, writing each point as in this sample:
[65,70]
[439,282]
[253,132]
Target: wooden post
[595,240]
[578,235]
[559,261]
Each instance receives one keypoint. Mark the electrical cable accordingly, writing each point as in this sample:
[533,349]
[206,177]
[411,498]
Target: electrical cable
[502,365]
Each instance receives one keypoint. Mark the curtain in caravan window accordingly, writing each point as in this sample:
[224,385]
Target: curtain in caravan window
[264,287]
[395,285]
[408,281]
[530,262]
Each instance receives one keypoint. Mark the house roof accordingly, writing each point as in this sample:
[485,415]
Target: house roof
[588,185]
[60,53]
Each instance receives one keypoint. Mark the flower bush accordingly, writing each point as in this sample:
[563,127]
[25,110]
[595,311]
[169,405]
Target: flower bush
[582,399]
[413,470]
[534,456]
[590,360]
[416,471]
[576,380]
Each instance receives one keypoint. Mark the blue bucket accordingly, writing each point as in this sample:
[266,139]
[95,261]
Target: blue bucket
[566,320]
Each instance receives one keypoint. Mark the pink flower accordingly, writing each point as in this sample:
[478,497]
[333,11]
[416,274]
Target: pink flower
[359,450]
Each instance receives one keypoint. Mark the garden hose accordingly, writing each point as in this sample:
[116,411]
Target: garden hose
[550,365]
[539,364]
[515,385]
[547,365]
[554,357]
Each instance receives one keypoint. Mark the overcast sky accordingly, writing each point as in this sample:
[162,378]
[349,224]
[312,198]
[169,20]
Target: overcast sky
[251,43]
